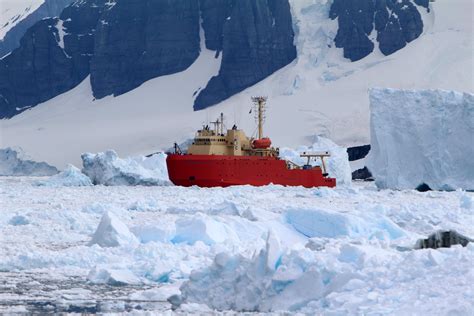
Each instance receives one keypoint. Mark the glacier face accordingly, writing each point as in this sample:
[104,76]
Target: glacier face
[421,137]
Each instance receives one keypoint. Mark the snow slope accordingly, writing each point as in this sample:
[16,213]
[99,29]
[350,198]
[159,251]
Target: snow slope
[321,93]
[13,11]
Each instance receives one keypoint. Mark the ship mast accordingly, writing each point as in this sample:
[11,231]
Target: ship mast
[260,103]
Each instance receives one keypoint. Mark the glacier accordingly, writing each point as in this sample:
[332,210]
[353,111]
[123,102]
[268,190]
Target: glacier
[422,137]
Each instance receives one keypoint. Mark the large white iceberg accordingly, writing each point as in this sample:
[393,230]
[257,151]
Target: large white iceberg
[108,169]
[13,163]
[422,137]
[69,177]
[337,164]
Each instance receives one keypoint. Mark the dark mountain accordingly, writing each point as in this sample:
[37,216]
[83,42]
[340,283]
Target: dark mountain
[123,43]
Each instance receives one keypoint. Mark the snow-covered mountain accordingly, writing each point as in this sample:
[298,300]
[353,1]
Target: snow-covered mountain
[13,11]
[19,15]
[320,91]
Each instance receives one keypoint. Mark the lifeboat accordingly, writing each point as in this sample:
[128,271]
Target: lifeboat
[262,143]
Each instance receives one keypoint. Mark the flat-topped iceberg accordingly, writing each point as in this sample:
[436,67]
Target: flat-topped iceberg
[422,137]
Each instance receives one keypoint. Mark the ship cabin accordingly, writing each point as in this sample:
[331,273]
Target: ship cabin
[213,141]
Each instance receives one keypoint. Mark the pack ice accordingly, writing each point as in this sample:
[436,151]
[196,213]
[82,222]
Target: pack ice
[13,163]
[424,136]
[108,169]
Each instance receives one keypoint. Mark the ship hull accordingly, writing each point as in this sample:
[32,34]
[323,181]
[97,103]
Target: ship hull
[224,171]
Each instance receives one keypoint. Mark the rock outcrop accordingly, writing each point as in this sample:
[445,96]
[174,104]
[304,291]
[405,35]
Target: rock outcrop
[140,40]
[397,22]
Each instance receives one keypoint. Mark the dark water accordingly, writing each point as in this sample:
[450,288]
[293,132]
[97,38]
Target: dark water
[43,293]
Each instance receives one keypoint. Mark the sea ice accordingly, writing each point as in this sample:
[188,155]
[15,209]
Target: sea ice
[422,137]
[269,281]
[108,169]
[328,223]
[201,227]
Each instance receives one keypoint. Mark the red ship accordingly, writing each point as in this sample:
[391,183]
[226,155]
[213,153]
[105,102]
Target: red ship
[216,159]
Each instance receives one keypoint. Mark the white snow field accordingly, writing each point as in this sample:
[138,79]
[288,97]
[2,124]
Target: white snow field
[424,136]
[13,11]
[320,93]
[316,251]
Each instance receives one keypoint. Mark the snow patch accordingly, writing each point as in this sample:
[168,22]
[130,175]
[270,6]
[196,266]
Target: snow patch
[422,136]
[108,169]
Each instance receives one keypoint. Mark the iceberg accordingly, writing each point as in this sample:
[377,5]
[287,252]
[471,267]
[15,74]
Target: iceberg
[69,177]
[115,277]
[13,163]
[108,169]
[112,232]
[422,137]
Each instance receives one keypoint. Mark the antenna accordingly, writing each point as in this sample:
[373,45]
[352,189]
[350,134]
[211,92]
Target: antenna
[260,115]
[222,123]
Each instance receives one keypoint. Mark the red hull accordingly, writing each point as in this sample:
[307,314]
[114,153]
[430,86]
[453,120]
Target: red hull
[223,171]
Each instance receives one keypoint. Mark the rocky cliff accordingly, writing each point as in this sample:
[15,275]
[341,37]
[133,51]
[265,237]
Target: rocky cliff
[257,40]
[53,57]
[124,43]
[396,22]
